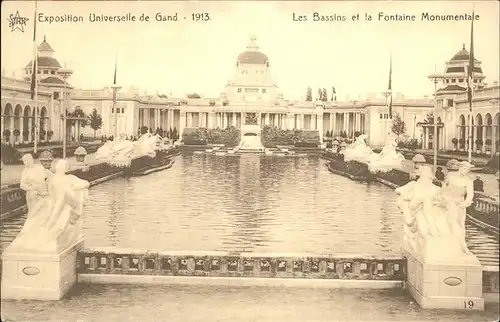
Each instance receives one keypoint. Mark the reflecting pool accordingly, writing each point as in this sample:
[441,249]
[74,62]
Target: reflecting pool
[248,203]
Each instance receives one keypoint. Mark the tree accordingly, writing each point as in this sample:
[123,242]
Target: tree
[309,95]
[320,95]
[429,119]
[193,95]
[398,125]
[95,121]
[324,94]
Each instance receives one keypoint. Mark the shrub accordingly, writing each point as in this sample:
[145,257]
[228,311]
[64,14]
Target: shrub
[9,154]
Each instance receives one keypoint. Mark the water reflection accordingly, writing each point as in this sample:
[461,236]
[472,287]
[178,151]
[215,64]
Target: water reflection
[248,203]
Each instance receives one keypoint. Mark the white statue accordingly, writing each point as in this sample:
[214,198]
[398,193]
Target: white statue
[458,190]
[358,151]
[121,152]
[388,158]
[431,231]
[33,181]
[145,146]
[104,152]
[56,222]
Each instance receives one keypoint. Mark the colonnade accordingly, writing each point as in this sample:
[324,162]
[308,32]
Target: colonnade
[485,132]
[21,121]
[349,122]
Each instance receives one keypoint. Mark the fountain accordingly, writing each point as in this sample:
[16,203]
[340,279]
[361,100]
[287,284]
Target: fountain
[250,142]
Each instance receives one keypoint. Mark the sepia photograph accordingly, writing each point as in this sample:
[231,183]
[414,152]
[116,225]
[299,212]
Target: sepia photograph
[250,161]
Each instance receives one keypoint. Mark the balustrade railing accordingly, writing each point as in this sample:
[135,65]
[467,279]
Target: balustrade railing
[215,264]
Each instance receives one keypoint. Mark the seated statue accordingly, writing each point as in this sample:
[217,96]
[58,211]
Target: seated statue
[388,158]
[358,151]
[430,228]
[33,181]
[55,223]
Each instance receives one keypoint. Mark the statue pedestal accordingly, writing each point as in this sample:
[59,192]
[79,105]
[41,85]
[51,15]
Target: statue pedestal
[445,284]
[38,276]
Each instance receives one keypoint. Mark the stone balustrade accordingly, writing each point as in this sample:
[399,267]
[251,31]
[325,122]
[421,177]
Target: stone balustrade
[486,206]
[256,265]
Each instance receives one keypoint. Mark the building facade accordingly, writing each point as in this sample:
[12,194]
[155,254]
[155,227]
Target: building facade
[250,95]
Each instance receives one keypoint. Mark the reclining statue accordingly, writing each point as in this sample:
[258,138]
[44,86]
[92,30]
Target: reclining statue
[358,151]
[388,158]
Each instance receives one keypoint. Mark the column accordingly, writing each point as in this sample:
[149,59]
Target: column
[483,137]
[476,136]
[12,137]
[346,123]
[493,139]
[424,138]
[182,123]
[334,128]
[331,123]
[21,129]
[302,117]
[320,128]
[266,122]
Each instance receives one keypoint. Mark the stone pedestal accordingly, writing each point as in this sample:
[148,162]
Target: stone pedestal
[38,276]
[445,284]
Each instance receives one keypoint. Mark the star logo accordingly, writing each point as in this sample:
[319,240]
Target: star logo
[16,22]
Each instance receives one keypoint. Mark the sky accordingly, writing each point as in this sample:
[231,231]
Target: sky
[200,56]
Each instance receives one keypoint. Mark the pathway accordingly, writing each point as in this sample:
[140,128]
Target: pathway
[225,303]
[11,174]
[489,180]
[477,160]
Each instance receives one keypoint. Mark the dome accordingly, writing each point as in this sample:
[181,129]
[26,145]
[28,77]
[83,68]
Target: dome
[252,57]
[45,62]
[462,55]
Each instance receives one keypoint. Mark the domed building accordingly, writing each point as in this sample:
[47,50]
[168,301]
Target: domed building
[453,119]
[252,79]
[251,100]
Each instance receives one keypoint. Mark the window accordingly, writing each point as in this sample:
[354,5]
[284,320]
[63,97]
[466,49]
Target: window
[453,80]
[264,90]
[123,110]
[450,103]
[27,72]
[381,116]
[251,90]
[56,95]
[447,81]
[38,71]
[53,72]
[386,116]
[475,81]
[239,90]
[112,110]
[45,71]
[460,80]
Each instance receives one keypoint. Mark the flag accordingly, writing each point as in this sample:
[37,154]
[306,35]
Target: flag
[35,59]
[390,88]
[470,69]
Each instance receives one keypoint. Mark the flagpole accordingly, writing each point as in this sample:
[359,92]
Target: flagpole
[388,101]
[34,74]
[470,83]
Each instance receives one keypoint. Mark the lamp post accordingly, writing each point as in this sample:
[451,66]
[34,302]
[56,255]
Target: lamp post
[65,73]
[435,78]
[149,98]
[115,88]
[388,97]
